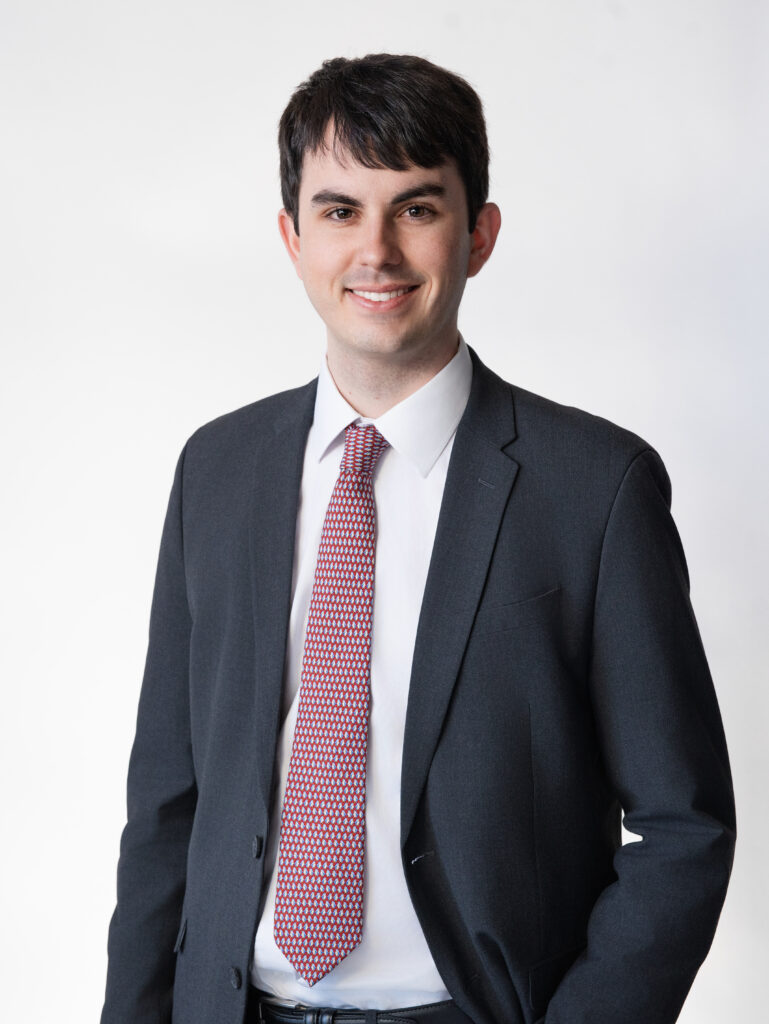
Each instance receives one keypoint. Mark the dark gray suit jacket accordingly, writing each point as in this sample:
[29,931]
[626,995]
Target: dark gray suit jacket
[558,677]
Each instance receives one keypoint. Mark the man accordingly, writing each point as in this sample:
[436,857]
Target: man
[419,638]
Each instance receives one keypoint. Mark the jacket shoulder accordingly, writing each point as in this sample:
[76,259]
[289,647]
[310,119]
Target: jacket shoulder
[574,452]
[570,426]
[567,436]
[233,431]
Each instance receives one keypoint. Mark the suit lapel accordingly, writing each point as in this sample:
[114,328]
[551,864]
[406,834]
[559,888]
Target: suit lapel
[478,485]
[275,498]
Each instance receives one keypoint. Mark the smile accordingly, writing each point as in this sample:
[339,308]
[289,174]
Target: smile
[383,296]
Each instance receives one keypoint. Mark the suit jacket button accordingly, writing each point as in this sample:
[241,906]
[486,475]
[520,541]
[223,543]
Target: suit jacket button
[236,978]
[256,847]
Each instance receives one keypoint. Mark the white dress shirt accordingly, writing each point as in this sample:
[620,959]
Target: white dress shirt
[392,966]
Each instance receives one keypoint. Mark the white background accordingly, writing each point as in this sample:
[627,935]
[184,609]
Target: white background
[145,291]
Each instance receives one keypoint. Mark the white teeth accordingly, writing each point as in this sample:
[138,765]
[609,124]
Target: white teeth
[380,296]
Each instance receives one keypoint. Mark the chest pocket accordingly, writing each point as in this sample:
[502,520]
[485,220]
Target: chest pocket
[498,618]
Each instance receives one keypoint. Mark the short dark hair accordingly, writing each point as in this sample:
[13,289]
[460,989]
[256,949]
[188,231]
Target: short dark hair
[388,110]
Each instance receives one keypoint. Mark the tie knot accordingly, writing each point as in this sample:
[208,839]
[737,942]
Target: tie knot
[363,444]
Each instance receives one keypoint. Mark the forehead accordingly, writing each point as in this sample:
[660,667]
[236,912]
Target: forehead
[332,168]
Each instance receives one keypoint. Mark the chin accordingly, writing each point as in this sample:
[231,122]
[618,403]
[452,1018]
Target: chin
[376,343]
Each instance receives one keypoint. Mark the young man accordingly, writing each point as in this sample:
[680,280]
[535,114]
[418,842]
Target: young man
[419,638]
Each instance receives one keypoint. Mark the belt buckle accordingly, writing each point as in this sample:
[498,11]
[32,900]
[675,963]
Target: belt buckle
[317,1014]
[308,1014]
[265,1003]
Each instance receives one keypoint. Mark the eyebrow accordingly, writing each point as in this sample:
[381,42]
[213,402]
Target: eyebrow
[327,197]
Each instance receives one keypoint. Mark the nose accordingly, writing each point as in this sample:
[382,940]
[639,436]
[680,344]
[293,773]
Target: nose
[379,244]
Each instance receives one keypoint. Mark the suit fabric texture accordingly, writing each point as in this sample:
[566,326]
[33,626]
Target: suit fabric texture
[558,681]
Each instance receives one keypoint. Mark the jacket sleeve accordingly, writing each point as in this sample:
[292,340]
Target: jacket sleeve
[665,757]
[161,802]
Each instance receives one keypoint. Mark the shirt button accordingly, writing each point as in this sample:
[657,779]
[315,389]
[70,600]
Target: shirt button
[236,978]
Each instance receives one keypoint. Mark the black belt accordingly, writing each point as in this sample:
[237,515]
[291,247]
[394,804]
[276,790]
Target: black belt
[265,1010]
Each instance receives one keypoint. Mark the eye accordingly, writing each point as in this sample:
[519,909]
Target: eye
[417,211]
[340,213]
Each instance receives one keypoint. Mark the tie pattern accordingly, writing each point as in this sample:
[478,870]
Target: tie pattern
[319,894]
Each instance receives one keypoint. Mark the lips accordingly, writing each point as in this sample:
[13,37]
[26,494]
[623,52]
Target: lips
[382,300]
[381,295]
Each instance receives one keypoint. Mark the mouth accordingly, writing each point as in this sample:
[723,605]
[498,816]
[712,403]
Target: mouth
[382,298]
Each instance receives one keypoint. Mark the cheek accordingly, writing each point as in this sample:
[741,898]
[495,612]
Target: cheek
[320,271]
[446,259]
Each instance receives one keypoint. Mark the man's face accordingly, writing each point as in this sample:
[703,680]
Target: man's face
[384,254]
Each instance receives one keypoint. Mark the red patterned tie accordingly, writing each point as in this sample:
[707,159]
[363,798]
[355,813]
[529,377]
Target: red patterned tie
[319,896]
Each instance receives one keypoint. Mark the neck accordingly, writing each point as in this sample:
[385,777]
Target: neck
[374,384]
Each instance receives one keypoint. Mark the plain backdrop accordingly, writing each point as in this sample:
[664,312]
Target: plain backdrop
[145,291]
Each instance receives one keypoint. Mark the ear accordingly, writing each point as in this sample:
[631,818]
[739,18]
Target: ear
[483,237]
[290,239]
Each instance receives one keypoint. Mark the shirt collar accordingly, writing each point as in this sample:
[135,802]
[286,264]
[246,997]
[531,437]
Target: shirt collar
[419,427]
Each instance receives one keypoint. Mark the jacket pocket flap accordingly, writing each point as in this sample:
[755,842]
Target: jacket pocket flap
[498,617]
